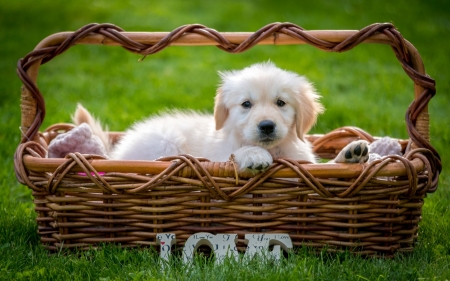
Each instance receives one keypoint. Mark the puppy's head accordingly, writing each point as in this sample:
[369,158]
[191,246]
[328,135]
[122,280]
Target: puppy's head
[263,105]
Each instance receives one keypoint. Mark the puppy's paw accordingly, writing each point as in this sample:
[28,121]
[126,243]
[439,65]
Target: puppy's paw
[252,158]
[354,152]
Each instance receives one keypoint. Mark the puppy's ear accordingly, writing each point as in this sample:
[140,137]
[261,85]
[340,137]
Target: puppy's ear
[308,108]
[220,110]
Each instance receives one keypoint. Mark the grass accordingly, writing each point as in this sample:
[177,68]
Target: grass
[365,87]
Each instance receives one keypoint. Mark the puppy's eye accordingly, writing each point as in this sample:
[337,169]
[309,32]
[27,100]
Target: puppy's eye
[281,103]
[246,104]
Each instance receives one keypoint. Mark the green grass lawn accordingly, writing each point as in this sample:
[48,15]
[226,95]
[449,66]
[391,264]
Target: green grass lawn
[365,87]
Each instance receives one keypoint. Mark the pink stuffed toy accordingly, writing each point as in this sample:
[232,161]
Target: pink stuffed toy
[79,139]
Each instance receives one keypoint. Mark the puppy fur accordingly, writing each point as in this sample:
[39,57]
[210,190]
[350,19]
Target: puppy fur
[261,112]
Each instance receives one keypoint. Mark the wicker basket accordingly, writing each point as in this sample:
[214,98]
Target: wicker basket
[371,209]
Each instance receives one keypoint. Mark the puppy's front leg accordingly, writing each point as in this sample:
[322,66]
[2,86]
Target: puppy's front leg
[253,158]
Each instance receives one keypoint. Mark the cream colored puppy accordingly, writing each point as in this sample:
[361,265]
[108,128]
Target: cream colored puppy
[261,113]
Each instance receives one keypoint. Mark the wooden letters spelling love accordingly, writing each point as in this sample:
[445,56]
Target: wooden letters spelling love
[224,245]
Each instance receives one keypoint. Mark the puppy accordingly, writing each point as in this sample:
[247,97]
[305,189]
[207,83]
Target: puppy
[261,112]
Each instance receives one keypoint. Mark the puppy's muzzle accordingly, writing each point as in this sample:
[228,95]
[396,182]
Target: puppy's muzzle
[266,130]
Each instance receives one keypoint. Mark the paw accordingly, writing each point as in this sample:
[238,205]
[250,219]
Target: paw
[252,158]
[354,152]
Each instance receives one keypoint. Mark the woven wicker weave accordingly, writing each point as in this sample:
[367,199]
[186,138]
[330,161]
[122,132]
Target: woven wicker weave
[371,209]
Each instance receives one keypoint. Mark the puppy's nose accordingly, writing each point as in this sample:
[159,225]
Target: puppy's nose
[266,127]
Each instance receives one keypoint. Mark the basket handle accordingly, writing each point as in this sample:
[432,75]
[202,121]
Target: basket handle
[146,43]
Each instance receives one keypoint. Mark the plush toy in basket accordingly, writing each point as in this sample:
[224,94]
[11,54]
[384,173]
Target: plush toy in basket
[261,175]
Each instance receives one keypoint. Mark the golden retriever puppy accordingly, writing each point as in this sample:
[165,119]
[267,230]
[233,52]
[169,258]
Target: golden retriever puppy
[261,112]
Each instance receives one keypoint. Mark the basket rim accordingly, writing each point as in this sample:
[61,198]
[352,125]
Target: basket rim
[320,170]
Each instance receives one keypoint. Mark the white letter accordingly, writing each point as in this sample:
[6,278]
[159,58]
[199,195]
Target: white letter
[165,240]
[259,243]
[222,244]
